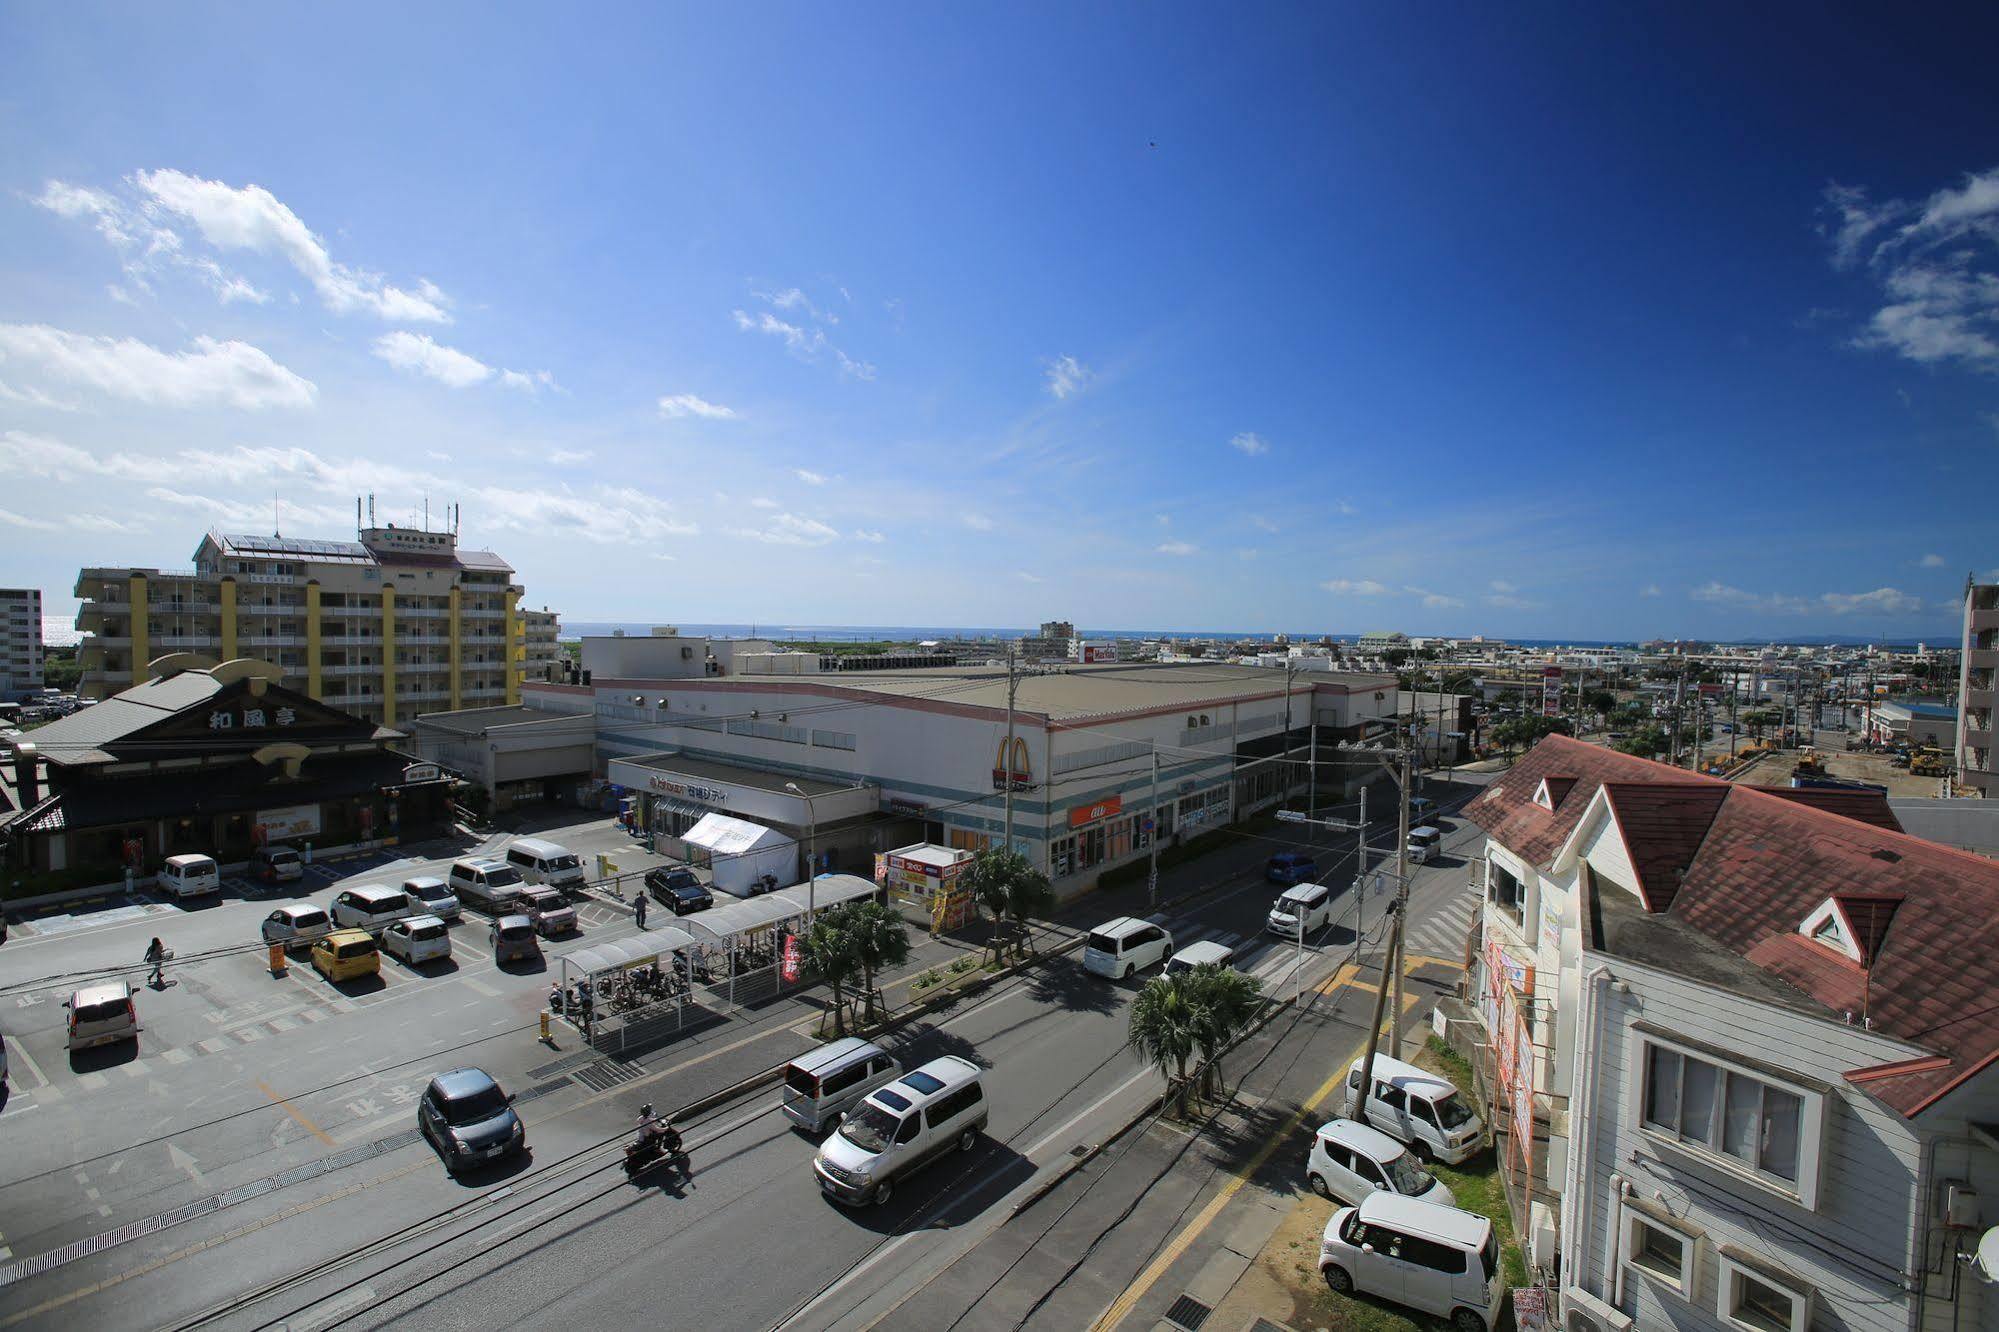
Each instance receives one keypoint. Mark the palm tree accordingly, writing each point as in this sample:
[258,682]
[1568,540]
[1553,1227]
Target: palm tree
[830,946]
[1165,1029]
[1030,894]
[880,940]
[1224,1001]
[994,878]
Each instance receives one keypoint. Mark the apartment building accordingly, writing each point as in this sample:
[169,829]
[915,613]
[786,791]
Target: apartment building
[20,641]
[544,660]
[1977,679]
[397,623]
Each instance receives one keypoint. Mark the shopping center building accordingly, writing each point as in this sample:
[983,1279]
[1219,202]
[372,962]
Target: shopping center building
[858,762]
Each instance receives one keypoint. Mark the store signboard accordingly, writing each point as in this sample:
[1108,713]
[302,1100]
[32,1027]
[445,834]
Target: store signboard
[282,825]
[1083,815]
[707,795]
[1551,691]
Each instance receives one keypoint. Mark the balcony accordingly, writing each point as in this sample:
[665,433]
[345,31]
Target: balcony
[1982,620]
[1979,700]
[368,668]
[187,642]
[270,640]
[1980,740]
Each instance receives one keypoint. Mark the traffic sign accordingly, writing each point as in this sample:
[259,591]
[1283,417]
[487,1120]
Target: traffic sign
[1291,816]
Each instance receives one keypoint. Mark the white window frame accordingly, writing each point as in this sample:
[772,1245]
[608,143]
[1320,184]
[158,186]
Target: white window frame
[1811,1122]
[1628,1221]
[1730,1286]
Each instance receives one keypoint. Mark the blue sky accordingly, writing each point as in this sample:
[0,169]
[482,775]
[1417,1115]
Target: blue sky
[1529,321]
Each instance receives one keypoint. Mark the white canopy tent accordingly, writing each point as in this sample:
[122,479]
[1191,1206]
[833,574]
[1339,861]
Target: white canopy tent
[741,852]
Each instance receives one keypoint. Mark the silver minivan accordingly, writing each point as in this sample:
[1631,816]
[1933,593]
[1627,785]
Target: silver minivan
[370,907]
[822,1085]
[102,1015]
[493,886]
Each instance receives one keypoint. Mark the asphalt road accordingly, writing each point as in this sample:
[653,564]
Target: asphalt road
[265,1130]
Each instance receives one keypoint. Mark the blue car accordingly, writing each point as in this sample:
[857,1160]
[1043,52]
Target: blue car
[1289,867]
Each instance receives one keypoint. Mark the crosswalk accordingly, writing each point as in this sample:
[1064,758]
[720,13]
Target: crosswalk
[1262,955]
[1441,931]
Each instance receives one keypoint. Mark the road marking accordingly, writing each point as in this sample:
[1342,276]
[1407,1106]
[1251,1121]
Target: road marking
[1121,1307]
[20,1052]
[213,1045]
[298,1115]
[474,983]
[91,1081]
[333,1311]
[177,1055]
[1091,1109]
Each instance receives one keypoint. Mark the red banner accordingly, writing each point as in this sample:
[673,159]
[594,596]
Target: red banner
[789,967]
[1103,809]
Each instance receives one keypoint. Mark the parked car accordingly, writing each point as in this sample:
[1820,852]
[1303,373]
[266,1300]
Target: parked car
[550,911]
[493,886]
[433,897]
[346,955]
[417,939]
[102,1015]
[1420,1108]
[1349,1160]
[678,890]
[296,925]
[1291,867]
[277,864]
[469,1119]
[548,863]
[513,939]
[189,876]
[1424,1255]
[370,907]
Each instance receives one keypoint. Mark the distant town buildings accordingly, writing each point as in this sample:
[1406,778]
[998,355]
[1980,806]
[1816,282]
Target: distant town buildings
[398,622]
[544,659]
[20,642]
[1977,766]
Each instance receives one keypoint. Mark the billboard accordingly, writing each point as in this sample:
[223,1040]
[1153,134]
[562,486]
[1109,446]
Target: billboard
[1083,815]
[1551,691]
[279,825]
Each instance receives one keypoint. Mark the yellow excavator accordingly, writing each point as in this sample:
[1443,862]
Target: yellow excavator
[1928,761]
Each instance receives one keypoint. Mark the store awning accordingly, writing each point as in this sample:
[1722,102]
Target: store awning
[720,835]
[621,953]
[758,913]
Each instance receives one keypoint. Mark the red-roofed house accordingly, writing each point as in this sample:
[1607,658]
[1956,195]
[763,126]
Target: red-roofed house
[1767,1048]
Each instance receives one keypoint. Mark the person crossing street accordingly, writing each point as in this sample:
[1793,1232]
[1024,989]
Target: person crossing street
[639,911]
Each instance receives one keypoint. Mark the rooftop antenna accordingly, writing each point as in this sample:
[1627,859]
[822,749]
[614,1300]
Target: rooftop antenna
[357,515]
[371,508]
[426,511]
[275,524]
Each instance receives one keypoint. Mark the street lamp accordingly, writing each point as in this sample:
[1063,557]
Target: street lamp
[811,851]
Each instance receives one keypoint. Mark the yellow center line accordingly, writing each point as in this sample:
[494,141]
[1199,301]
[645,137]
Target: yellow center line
[297,1115]
[1121,1307]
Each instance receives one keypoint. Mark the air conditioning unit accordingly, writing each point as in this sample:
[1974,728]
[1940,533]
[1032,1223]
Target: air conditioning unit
[1541,1235]
[1584,1312]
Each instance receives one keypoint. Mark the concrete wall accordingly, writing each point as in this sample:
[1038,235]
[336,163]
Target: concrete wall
[1972,825]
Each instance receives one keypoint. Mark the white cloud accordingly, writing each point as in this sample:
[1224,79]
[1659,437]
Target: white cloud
[761,502]
[437,455]
[1249,444]
[1931,562]
[791,298]
[239,289]
[1164,520]
[852,368]
[863,534]
[1262,524]
[417,354]
[252,218]
[1067,376]
[1936,269]
[1881,601]
[805,343]
[978,522]
[1355,587]
[808,477]
[1345,508]
[1178,548]
[1434,600]
[687,404]
[529,382]
[232,374]
[34,397]
[566,457]
[1246,553]
[1721,594]
[1500,585]
[1650,590]
[12,519]
[789,529]
[607,515]
[1507,601]
[1026,577]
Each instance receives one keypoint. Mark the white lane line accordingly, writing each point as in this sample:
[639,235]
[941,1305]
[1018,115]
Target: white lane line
[474,983]
[1090,1109]
[20,1052]
[177,1055]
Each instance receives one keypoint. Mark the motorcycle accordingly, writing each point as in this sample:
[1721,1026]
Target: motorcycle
[644,1154]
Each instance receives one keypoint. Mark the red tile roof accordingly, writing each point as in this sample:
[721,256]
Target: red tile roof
[1746,866]
[1509,815]
[1867,806]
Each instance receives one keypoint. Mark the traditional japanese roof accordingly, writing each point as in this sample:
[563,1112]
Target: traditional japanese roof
[1507,810]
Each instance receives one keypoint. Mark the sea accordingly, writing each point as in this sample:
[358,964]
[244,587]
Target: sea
[904,633]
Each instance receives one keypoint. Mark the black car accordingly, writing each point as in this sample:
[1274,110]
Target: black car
[679,890]
[469,1119]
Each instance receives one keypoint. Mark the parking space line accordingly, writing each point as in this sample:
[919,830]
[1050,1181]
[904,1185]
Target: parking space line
[297,1115]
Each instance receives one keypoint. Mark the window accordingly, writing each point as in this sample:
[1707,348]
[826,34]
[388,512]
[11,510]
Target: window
[908,1131]
[1760,1300]
[1663,1252]
[1769,1130]
[1505,892]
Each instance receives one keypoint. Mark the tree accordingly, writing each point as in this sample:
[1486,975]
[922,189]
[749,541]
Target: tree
[996,876]
[880,939]
[1521,732]
[1165,1030]
[831,947]
[1030,895]
[1646,742]
[1395,657]
[1601,701]
[1224,1002]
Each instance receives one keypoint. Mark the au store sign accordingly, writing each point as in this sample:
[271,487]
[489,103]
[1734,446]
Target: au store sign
[1082,815]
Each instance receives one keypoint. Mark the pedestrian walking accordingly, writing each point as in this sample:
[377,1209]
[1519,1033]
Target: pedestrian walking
[639,911]
[156,957]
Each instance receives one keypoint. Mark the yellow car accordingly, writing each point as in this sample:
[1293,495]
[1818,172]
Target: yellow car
[345,954]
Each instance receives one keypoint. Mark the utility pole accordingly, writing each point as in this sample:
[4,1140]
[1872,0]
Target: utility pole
[1679,705]
[1357,1108]
[1006,751]
[1401,906]
[1152,836]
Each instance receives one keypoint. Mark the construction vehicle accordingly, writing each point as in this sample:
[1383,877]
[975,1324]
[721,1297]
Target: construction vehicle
[1928,762]
[1810,764]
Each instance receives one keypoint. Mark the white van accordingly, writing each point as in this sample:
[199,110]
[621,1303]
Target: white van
[189,876]
[913,1120]
[1310,902]
[1420,1108]
[1119,947]
[493,886]
[370,907]
[417,939]
[822,1085]
[1425,844]
[1349,1160]
[548,863]
[1204,953]
[1425,1255]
